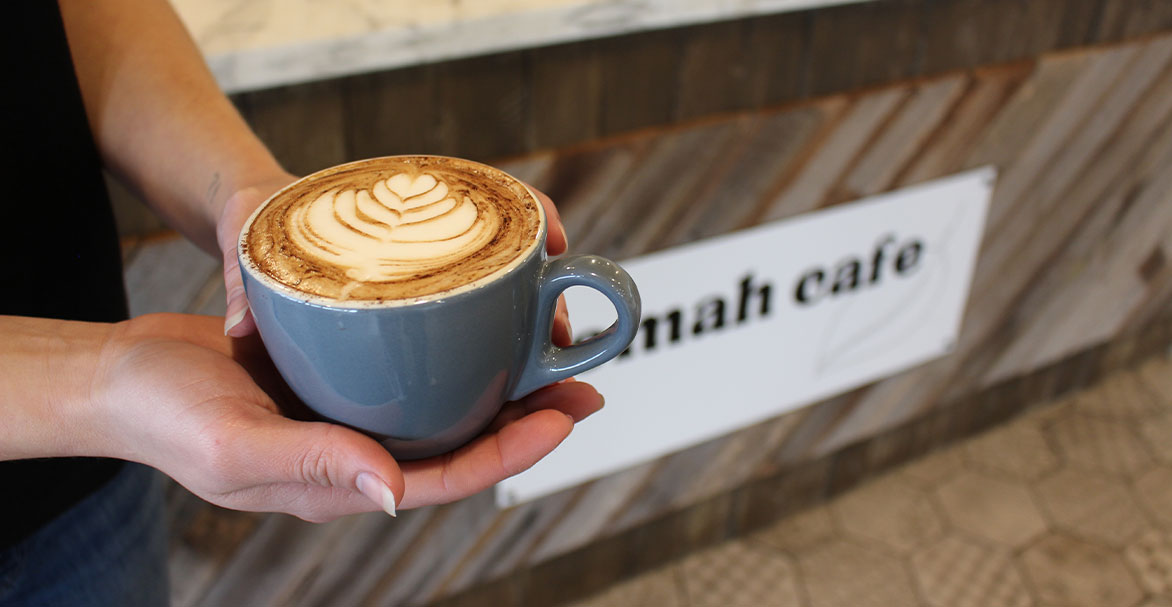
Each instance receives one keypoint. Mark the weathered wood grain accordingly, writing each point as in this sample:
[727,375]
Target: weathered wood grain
[714,72]
[597,505]
[1120,19]
[274,560]
[584,181]
[859,45]
[639,77]
[887,155]
[962,128]
[303,125]
[567,86]
[361,562]
[750,173]
[780,66]
[834,150]
[669,171]
[485,107]
[392,112]
[1073,279]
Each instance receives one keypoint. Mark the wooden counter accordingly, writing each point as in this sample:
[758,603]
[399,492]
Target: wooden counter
[1071,100]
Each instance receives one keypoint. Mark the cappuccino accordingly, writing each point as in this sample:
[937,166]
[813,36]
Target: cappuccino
[394,228]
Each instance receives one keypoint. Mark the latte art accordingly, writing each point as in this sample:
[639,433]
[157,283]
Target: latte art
[398,228]
[393,228]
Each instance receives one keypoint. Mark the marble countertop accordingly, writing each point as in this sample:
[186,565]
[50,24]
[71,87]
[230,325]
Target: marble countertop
[256,44]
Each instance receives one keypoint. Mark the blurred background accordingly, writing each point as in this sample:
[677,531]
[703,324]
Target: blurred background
[1030,466]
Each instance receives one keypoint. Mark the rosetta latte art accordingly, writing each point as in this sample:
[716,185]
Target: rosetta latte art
[400,227]
[393,228]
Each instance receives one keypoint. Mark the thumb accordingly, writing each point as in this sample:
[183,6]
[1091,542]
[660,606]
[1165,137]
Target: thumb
[237,318]
[323,465]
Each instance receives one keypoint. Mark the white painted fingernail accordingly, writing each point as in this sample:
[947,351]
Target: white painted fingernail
[376,491]
[233,319]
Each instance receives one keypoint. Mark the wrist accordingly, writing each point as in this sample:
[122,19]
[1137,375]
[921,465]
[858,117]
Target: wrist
[46,389]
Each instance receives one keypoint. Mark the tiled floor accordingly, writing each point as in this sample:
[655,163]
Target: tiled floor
[1069,505]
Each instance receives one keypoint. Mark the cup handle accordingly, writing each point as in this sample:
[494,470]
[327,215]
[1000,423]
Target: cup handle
[548,363]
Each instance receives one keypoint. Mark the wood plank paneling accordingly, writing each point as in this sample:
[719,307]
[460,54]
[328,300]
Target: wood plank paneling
[484,106]
[392,112]
[360,562]
[714,72]
[519,102]
[567,88]
[781,65]
[1075,262]
[859,45]
[750,173]
[304,125]
[1122,20]
[840,144]
[963,127]
[907,133]
[639,76]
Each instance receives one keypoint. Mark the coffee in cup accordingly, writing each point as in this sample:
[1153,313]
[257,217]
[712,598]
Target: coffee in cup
[410,296]
[396,228]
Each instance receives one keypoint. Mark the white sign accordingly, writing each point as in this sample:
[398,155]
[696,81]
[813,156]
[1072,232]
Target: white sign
[741,328]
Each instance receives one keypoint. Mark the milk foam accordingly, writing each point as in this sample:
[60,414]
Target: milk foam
[393,228]
[402,226]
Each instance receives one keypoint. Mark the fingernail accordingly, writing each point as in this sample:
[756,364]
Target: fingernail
[233,319]
[601,404]
[565,237]
[376,491]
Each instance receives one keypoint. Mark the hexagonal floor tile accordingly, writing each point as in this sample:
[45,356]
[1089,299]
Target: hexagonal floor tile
[1092,505]
[1155,492]
[930,470]
[958,572]
[800,531]
[1151,558]
[1157,431]
[1066,570]
[1099,444]
[994,508]
[849,574]
[1122,395]
[739,573]
[658,587]
[891,512]
[1019,450]
[1156,374]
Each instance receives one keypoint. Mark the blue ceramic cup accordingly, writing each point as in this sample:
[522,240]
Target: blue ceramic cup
[426,375]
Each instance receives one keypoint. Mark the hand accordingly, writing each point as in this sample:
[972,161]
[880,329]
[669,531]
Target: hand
[180,396]
[237,209]
[238,321]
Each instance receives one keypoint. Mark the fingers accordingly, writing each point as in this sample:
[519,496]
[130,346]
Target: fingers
[556,241]
[313,470]
[486,461]
[524,432]
[237,319]
[578,400]
[237,208]
[563,334]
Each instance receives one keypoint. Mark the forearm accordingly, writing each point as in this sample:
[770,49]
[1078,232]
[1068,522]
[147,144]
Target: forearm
[46,367]
[160,121]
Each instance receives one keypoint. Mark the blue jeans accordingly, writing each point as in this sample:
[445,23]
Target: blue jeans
[109,549]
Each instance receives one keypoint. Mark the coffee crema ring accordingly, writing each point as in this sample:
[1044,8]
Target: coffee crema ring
[393,228]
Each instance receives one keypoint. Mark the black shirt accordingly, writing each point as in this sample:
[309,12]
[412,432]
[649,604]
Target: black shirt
[59,242]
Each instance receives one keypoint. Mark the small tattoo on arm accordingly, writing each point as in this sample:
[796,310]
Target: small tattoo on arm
[214,188]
